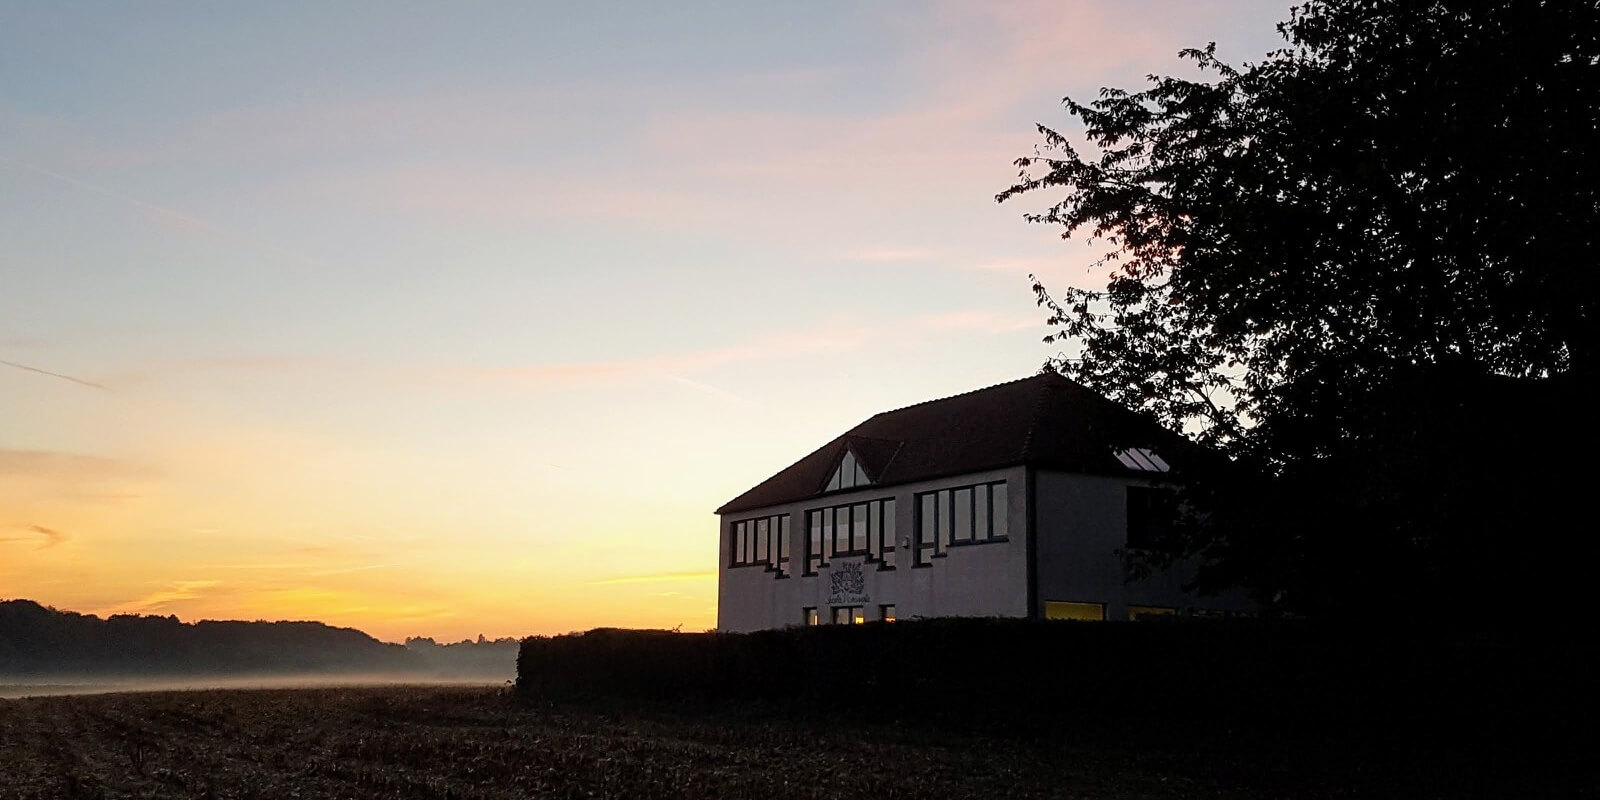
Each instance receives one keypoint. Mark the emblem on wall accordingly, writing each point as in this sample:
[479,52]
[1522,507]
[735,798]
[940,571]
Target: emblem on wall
[847,584]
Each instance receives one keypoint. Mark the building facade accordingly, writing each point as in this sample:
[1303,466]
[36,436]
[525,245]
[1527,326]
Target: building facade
[1018,500]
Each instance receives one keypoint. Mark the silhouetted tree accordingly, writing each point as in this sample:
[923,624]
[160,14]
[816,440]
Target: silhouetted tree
[1364,269]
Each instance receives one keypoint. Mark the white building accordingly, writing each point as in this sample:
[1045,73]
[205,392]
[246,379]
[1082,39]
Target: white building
[1016,500]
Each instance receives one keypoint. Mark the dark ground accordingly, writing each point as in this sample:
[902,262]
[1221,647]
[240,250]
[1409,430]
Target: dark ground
[443,742]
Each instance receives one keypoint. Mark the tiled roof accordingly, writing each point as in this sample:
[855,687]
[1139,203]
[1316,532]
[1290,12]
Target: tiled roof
[1045,421]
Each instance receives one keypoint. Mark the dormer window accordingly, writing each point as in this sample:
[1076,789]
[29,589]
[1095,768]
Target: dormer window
[848,475]
[1142,459]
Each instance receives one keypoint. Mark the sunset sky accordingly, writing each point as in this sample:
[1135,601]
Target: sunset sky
[461,318]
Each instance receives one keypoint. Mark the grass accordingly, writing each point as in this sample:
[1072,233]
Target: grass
[454,742]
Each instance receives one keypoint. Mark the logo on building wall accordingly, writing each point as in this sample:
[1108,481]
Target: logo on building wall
[847,584]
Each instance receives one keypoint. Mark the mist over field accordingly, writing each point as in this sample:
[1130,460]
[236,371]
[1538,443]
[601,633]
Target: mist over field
[46,651]
[13,687]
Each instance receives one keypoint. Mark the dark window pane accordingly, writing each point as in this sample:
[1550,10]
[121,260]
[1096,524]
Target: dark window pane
[890,532]
[944,517]
[876,528]
[1150,515]
[980,513]
[928,519]
[961,524]
[738,543]
[858,527]
[763,533]
[1002,510]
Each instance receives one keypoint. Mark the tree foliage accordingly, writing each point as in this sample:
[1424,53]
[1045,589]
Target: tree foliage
[1365,269]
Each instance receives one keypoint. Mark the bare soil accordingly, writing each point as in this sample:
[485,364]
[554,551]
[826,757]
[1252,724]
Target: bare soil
[457,742]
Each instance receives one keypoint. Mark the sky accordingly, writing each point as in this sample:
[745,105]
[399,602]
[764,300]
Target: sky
[462,318]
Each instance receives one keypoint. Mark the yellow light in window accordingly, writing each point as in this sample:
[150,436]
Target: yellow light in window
[1135,613]
[859,617]
[1084,612]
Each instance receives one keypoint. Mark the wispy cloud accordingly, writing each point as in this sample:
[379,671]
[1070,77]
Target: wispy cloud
[36,463]
[162,213]
[79,381]
[658,577]
[176,592]
[884,253]
[51,537]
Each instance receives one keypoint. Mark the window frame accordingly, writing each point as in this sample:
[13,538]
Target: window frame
[946,521]
[1154,515]
[748,548]
[834,535]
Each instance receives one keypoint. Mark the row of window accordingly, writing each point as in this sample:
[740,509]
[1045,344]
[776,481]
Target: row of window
[846,615]
[859,529]
[763,541]
[1053,609]
[965,515]
[1096,612]
[945,518]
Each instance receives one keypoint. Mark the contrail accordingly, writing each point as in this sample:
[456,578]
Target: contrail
[160,209]
[79,381]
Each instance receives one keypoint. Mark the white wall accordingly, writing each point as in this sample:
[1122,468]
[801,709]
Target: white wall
[970,580]
[1083,526]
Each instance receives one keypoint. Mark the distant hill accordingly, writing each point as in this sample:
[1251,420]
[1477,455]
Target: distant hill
[38,640]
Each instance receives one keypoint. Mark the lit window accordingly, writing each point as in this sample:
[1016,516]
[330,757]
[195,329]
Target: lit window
[848,615]
[1136,613]
[1083,612]
[1142,459]
[810,616]
[886,613]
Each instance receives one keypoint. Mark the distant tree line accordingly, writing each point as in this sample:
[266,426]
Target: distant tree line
[38,640]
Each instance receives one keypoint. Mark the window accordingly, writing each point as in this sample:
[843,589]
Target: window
[1142,459]
[960,516]
[1083,612]
[809,616]
[1151,512]
[815,542]
[927,539]
[848,475]
[859,529]
[848,615]
[885,539]
[763,541]
[1136,613]
[886,613]
[961,510]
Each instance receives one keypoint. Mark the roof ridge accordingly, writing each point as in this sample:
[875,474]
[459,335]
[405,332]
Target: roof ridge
[1038,412]
[951,397]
